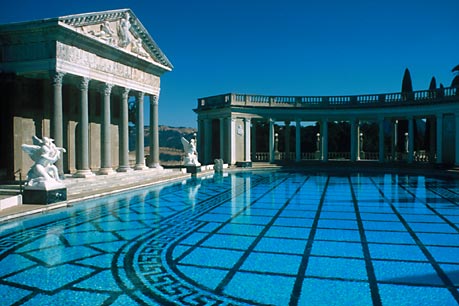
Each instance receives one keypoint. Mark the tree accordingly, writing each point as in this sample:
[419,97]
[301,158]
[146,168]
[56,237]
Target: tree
[455,82]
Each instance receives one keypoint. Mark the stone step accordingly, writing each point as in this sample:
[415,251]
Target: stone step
[115,181]
[10,201]
[9,189]
[8,192]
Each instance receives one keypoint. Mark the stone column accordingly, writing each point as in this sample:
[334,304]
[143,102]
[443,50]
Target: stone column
[394,141]
[359,146]
[222,139]
[83,127]
[354,142]
[439,138]
[381,140]
[410,140]
[324,128]
[247,144]
[432,142]
[105,138]
[140,132]
[287,140]
[254,140]
[206,144]
[271,140]
[124,133]
[232,140]
[57,130]
[154,133]
[298,140]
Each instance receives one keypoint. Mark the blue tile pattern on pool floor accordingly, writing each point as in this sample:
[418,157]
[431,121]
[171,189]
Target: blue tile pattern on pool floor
[247,238]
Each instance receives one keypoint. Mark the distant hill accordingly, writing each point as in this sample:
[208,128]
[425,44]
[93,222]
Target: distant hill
[169,137]
[170,146]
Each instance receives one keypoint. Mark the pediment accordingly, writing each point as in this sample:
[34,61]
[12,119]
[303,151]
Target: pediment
[120,29]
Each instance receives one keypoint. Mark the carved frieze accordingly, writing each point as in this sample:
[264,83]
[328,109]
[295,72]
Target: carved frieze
[87,60]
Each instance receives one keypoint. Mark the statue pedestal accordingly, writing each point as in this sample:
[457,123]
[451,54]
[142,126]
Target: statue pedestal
[244,164]
[193,169]
[44,194]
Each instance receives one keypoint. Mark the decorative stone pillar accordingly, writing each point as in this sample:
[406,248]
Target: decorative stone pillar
[57,130]
[394,140]
[222,139]
[105,138]
[432,141]
[439,138]
[381,140]
[410,140]
[247,142]
[83,127]
[154,133]
[207,144]
[287,140]
[298,140]
[124,133]
[271,140]
[318,146]
[254,140]
[200,142]
[140,132]
[354,141]
[358,135]
[232,140]
[324,128]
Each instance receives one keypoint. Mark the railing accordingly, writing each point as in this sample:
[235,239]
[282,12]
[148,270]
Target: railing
[415,97]
[420,156]
[19,171]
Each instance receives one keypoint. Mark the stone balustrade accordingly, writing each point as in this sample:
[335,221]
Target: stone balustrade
[420,156]
[416,97]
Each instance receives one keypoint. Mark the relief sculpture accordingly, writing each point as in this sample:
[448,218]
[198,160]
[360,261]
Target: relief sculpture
[123,31]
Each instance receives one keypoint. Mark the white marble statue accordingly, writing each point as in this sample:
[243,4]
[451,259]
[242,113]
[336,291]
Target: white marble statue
[218,165]
[44,153]
[123,31]
[191,158]
[105,33]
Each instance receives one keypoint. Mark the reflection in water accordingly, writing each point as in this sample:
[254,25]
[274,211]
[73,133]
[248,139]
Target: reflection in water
[193,186]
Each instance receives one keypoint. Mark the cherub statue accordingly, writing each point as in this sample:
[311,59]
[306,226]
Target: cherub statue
[44,153]
[191,158]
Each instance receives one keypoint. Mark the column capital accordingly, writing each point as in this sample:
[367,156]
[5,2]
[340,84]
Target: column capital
[140,95]
[247,120]
[107,88]
[84,83]
[154,100]
[57,77]
[125,93]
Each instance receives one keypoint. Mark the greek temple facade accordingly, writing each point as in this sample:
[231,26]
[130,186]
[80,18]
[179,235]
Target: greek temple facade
[229,127]
[71,78]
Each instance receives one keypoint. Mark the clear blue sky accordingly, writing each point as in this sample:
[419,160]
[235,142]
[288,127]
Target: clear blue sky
[289,47]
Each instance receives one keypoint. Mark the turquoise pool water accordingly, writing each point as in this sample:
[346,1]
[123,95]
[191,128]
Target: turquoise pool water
[280,238]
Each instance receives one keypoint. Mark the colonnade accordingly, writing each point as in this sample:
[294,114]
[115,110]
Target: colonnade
[231,150]
[106,164]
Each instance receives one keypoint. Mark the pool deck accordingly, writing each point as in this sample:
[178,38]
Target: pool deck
[79,189]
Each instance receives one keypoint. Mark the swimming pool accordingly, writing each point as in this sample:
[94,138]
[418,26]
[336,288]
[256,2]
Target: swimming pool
[274,237]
